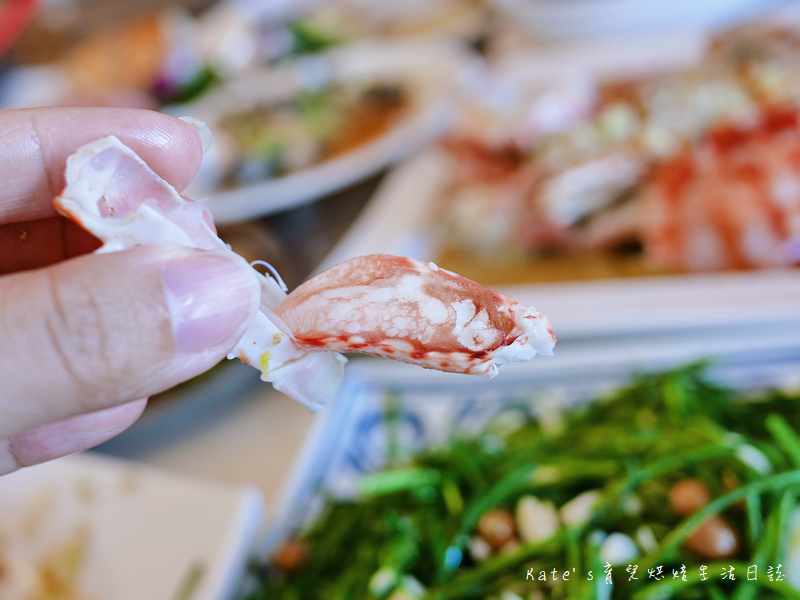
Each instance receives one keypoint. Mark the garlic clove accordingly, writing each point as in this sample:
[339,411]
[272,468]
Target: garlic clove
[578,511]
[536,520]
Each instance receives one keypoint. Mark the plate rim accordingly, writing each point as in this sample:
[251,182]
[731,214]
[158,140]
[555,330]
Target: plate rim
[426,121]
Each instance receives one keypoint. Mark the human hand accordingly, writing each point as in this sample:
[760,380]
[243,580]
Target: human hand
[86,338]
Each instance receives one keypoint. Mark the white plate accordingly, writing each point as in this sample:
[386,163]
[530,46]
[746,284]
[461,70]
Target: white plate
[146,532]
[579,18]
[397,220]
[430,69]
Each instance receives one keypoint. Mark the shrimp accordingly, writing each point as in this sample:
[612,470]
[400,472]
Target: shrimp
[405,309]
[382,305]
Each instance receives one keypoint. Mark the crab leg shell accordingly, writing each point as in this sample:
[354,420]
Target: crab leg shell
[415,312]
[113,194]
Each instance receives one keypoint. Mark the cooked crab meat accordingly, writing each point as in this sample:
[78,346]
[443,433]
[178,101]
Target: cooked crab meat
[586,188]
[414,312]
[732,201]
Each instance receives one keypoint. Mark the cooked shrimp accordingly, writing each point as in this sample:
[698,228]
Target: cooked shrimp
[414,312]
[382,305]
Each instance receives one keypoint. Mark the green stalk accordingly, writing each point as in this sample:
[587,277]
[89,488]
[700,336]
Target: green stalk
[498,564]
[678,535]
[784,436]
[397,480]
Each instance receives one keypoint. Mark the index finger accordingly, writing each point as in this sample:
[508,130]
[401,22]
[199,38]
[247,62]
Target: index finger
[35,143]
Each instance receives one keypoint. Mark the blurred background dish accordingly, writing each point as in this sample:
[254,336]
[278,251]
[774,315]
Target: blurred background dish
[572,159]
[584,163]
[288,128]
[93,527]
[298,132]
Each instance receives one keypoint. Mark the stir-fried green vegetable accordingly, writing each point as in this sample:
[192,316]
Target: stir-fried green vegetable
[674,487]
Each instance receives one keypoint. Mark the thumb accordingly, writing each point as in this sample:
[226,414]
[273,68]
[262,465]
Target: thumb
[105,329]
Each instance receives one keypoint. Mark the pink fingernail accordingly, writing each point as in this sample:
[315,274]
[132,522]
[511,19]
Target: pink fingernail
[210,298]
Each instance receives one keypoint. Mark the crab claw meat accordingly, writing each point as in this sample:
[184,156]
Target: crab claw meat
[415,312]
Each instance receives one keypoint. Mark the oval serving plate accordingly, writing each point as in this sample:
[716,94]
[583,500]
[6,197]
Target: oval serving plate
[428,71]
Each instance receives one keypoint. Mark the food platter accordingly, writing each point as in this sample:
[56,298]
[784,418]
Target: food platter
[399,221]
[580,371]
[428,71]
[97,524]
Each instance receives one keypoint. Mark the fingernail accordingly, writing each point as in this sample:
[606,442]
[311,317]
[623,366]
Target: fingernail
[202,130]
[210,298]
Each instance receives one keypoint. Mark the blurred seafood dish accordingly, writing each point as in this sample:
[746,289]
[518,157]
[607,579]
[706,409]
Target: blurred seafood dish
[691,169]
